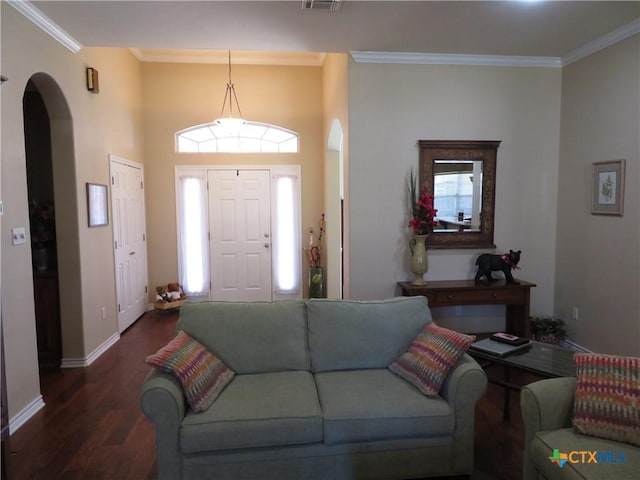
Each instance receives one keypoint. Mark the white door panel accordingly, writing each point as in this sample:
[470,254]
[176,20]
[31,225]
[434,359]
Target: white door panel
[127,199]
[239,206]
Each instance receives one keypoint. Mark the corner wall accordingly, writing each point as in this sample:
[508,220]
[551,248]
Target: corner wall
[598,257]
[105,123]
[393,106]
[177,96]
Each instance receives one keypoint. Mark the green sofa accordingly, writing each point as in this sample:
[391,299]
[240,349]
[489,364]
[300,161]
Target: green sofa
[547,406]
[312,397]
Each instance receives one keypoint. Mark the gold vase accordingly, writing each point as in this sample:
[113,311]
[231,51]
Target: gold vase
[419,259]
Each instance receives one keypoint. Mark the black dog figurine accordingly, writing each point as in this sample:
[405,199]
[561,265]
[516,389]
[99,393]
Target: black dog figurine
[488,263]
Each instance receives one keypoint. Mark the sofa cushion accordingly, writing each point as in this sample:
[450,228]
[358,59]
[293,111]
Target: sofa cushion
[614,459]
[257,410]
[607,399]
[251,337]
[431,356]
[347,335]
[200,372]
[368,405]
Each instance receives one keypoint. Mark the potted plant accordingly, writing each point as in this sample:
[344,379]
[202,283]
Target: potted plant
[547,329]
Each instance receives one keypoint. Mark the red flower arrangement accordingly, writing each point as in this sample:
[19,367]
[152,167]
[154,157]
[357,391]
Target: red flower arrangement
[421,209]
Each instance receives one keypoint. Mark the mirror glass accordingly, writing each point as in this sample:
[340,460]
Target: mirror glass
[457,195]
[460,174]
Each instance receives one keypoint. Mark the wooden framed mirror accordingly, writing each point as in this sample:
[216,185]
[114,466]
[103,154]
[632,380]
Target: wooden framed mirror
[461,175]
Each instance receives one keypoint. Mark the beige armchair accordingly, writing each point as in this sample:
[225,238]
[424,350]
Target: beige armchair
[547,407]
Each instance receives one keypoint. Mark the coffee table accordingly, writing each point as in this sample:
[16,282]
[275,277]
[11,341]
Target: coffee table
[542,359]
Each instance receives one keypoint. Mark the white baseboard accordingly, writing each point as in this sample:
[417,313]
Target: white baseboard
[88,360]
[27,412]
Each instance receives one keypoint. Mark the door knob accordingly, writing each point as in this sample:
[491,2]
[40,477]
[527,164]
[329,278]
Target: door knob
[267,245]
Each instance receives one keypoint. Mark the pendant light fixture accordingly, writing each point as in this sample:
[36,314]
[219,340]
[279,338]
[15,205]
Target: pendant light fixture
[229,120]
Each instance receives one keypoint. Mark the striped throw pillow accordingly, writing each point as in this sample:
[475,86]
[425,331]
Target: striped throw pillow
[607,399]
[430,357]
[202,374]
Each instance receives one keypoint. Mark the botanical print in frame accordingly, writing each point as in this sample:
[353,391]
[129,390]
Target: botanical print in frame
[97,205]
[607,197]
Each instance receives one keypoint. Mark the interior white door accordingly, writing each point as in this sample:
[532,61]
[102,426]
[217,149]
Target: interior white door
[129,240]
[240,231]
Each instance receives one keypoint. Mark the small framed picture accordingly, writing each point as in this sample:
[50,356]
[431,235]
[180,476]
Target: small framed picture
[97,205]
[607,197]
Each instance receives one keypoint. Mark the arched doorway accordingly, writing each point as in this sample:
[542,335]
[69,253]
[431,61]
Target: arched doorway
[334,211]
[44,253]
[51,117]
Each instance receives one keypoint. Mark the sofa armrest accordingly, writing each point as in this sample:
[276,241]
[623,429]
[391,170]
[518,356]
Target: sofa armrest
[465,382]
[163,402]
[546,405]
[462,388]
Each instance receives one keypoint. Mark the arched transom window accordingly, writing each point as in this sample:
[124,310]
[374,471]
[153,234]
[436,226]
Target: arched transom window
[250,137]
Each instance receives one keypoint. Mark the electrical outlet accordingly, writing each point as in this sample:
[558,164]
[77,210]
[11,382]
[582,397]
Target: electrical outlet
[574,313]
[104,313]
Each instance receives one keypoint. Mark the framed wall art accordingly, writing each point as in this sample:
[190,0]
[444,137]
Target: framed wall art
[97,205]
[607,197]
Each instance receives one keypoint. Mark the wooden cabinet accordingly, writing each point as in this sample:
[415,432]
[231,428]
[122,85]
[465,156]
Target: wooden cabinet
[447,293]
[47,306]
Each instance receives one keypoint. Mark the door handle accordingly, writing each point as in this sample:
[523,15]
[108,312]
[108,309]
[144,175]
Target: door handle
[267,245]
[132,253]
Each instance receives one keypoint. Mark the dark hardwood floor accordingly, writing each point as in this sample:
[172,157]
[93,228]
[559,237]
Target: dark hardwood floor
[92,427]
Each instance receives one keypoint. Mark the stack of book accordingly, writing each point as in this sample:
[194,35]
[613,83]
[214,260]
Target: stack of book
[501,344]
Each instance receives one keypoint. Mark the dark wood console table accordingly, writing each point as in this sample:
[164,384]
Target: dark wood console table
[447,293]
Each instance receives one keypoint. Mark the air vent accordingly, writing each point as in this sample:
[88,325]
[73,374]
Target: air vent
[326,5]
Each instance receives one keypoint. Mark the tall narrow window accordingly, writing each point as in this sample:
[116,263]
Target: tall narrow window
[192,235]
[286,237]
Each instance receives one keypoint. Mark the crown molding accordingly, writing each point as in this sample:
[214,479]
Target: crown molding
[603,42]
[240,57]
[455,59]
[27,9]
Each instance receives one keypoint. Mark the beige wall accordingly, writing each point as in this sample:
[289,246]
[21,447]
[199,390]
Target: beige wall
[391,107]
[336,119]
[177,96]
[95,125]
[598,257]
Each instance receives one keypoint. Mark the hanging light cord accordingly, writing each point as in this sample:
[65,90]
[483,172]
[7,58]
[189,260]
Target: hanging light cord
[230,88]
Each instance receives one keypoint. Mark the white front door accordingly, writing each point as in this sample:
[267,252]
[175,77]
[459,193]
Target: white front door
[129,240]
[239,209]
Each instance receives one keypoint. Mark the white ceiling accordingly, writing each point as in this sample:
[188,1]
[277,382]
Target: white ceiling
[513,28]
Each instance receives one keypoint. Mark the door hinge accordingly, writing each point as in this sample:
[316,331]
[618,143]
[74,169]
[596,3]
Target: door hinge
[141,185]
[145,289]
[119,308]
[113,180]
[144,237]
[116,244]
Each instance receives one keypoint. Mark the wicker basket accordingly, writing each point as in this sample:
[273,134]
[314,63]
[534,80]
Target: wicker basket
[170,305]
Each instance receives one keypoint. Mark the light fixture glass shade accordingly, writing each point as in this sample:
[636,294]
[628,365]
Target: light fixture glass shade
[232,123]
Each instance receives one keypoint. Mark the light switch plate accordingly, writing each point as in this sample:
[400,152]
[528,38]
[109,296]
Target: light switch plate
[18,236]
